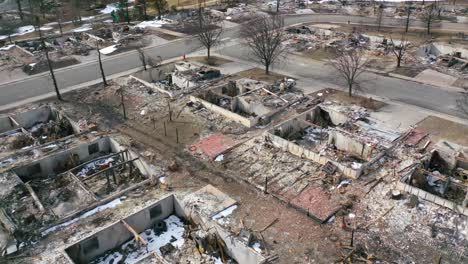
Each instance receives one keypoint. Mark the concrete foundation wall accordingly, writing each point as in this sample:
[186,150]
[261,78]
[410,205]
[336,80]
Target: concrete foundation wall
[144,168]
[155,74]
[116,234]
[299,151]
[228,114]
[29,118]
[441,49]
[252,107]
[348,144]
[182,81]
[152,86]
[48,166]
[431,197]
[235,248]
[6,124]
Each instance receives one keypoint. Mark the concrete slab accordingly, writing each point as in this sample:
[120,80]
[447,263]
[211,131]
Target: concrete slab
[436,78]
[398,117]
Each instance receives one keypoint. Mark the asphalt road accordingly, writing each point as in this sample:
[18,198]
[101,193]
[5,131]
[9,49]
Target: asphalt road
[17,90]
[408,92]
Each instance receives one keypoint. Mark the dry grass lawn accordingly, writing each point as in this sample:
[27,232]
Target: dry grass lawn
[444,129]
[259,74]
[213,61]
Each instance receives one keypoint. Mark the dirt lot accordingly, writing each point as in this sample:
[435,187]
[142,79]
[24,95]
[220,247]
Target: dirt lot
[259,74]
[444,129]
[213,61]
[341,96]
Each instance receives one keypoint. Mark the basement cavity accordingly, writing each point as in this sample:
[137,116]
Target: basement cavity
[131,252]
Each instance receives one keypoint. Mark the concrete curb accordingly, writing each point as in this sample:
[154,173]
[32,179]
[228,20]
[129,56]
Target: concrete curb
[104,59]
[73,88]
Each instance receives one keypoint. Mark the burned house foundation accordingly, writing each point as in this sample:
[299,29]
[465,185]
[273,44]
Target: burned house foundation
[175,79]
[166,231]
[247,101]
[441,178]
[321,135]
[60,189]
[34,128]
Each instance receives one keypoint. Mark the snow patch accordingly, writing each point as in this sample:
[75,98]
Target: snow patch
[174,235]
[108,50]
[109,8]
[221,216]
[153,23]
[7,47]
[83,28]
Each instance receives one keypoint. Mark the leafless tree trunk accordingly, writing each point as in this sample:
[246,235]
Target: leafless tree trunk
[409,8]
[103,75]
[59,20]
[161,7]
[380,17]
[264,36]
[142,56]
[349,64]
[20,9]
[49,62]
[399,50]
[144,8]
[208,31]
[429,15]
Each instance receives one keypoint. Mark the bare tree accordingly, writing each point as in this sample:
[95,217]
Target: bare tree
[349,64]
[380,16]
[409,8]
[103,75]
[143,2]
[8,28]
[142,56]
[208,31]
[399,50]
[429,15]
[49,62]
[20,9]
[264,36]
[161,6]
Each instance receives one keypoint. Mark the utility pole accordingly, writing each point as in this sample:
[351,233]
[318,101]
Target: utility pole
[100,64]
[51,70]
